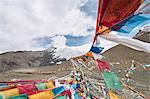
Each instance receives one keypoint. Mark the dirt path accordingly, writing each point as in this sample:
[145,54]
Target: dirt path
[38,73]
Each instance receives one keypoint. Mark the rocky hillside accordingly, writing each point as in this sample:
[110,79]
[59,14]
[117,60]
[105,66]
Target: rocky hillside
[19,59]
[143,36]
[121,56]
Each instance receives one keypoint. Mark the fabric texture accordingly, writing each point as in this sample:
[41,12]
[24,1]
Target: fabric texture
[112,95]
[58,90]
[103,66]
[126,26]
[27,89]
[41,86]
[49,84]
[22,96]
[116,10]
[10,92]
[112,81]
[42,95]
[96,50]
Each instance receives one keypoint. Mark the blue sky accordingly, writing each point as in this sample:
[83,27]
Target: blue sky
[31,24]
[90,10]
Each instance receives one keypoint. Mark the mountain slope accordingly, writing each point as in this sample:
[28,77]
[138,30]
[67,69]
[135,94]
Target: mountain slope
[143,36]
[121,57]
[123,53]
[24,59]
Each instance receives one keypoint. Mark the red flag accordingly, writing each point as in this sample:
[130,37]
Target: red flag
[111,12]
[103,65]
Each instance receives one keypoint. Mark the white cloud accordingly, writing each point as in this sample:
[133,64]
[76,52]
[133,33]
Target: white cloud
[59,41]
[23,20]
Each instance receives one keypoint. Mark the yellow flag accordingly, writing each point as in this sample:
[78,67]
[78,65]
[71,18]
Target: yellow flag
[10,92]
[42,95]
[50,84]
[113,95]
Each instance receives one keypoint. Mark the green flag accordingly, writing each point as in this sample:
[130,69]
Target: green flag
[22,96]
[111,80]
